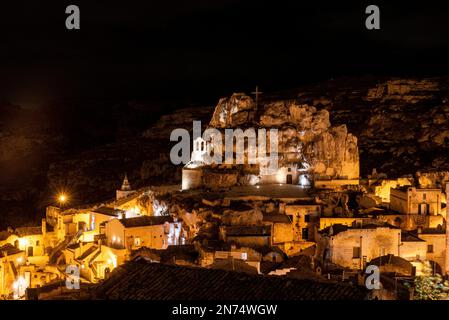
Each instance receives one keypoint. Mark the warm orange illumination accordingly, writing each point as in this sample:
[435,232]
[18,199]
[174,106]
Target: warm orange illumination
[62,198]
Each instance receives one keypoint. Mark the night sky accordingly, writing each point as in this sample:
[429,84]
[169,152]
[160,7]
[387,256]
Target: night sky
[199,50]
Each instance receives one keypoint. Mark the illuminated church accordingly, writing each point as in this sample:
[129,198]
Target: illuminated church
[310,151]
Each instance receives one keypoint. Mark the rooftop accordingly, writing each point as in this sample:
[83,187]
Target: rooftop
[145,221]
[409,237]
[28,231]
[4,235]
[126,199]
[87,253]
[276,217]
[141,280]
[9,249]
[107,211]
[337,228]
[433,231]
[169,255]
[242,231]
[392,260]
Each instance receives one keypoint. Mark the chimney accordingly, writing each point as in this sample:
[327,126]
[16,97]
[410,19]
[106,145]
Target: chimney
[281,207]
[44,227]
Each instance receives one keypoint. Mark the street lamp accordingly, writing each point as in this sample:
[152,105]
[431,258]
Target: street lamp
[62,199]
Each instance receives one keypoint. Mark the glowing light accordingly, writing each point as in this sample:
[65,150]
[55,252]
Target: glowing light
[19,287]
[62,198]
[303,181]
[114,238]
[258,187]
[23,242]
[113,261]
[133,212]
[19,260]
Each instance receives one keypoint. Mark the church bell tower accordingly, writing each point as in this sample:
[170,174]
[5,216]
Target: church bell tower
[125,190]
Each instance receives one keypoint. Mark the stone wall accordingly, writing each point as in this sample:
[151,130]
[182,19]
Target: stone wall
[374,243]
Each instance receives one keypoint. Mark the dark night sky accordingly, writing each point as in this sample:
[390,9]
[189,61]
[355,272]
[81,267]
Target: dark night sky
[198,50]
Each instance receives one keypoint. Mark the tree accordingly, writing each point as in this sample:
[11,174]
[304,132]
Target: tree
[430,287]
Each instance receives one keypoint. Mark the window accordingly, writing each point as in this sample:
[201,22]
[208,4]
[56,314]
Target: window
[305,233]
[137,242]
[307,218]
[289,169]
[430,248]
[356,252]
[424,196]
[37,243]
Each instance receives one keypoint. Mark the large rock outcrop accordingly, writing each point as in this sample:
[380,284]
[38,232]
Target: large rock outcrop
[306,139]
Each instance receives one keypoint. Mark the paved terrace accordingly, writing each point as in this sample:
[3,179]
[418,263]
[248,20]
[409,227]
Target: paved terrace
[284,192]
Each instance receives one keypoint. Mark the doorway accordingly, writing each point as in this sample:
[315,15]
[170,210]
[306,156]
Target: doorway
[423,208]
[289,179]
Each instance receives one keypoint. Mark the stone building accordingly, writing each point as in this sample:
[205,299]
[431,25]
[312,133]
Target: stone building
[354,247]
[93,260]
[34,241]
[435,247]
[411,200]
[11,258]
[248,236]
[134,233]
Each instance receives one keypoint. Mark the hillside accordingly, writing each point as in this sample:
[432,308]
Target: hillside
[402,126]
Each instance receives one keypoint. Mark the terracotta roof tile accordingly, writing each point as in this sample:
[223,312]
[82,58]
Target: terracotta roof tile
[141,280]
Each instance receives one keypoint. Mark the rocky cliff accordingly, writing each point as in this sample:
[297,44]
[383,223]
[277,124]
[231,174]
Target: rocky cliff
[402,124]
[306,138]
